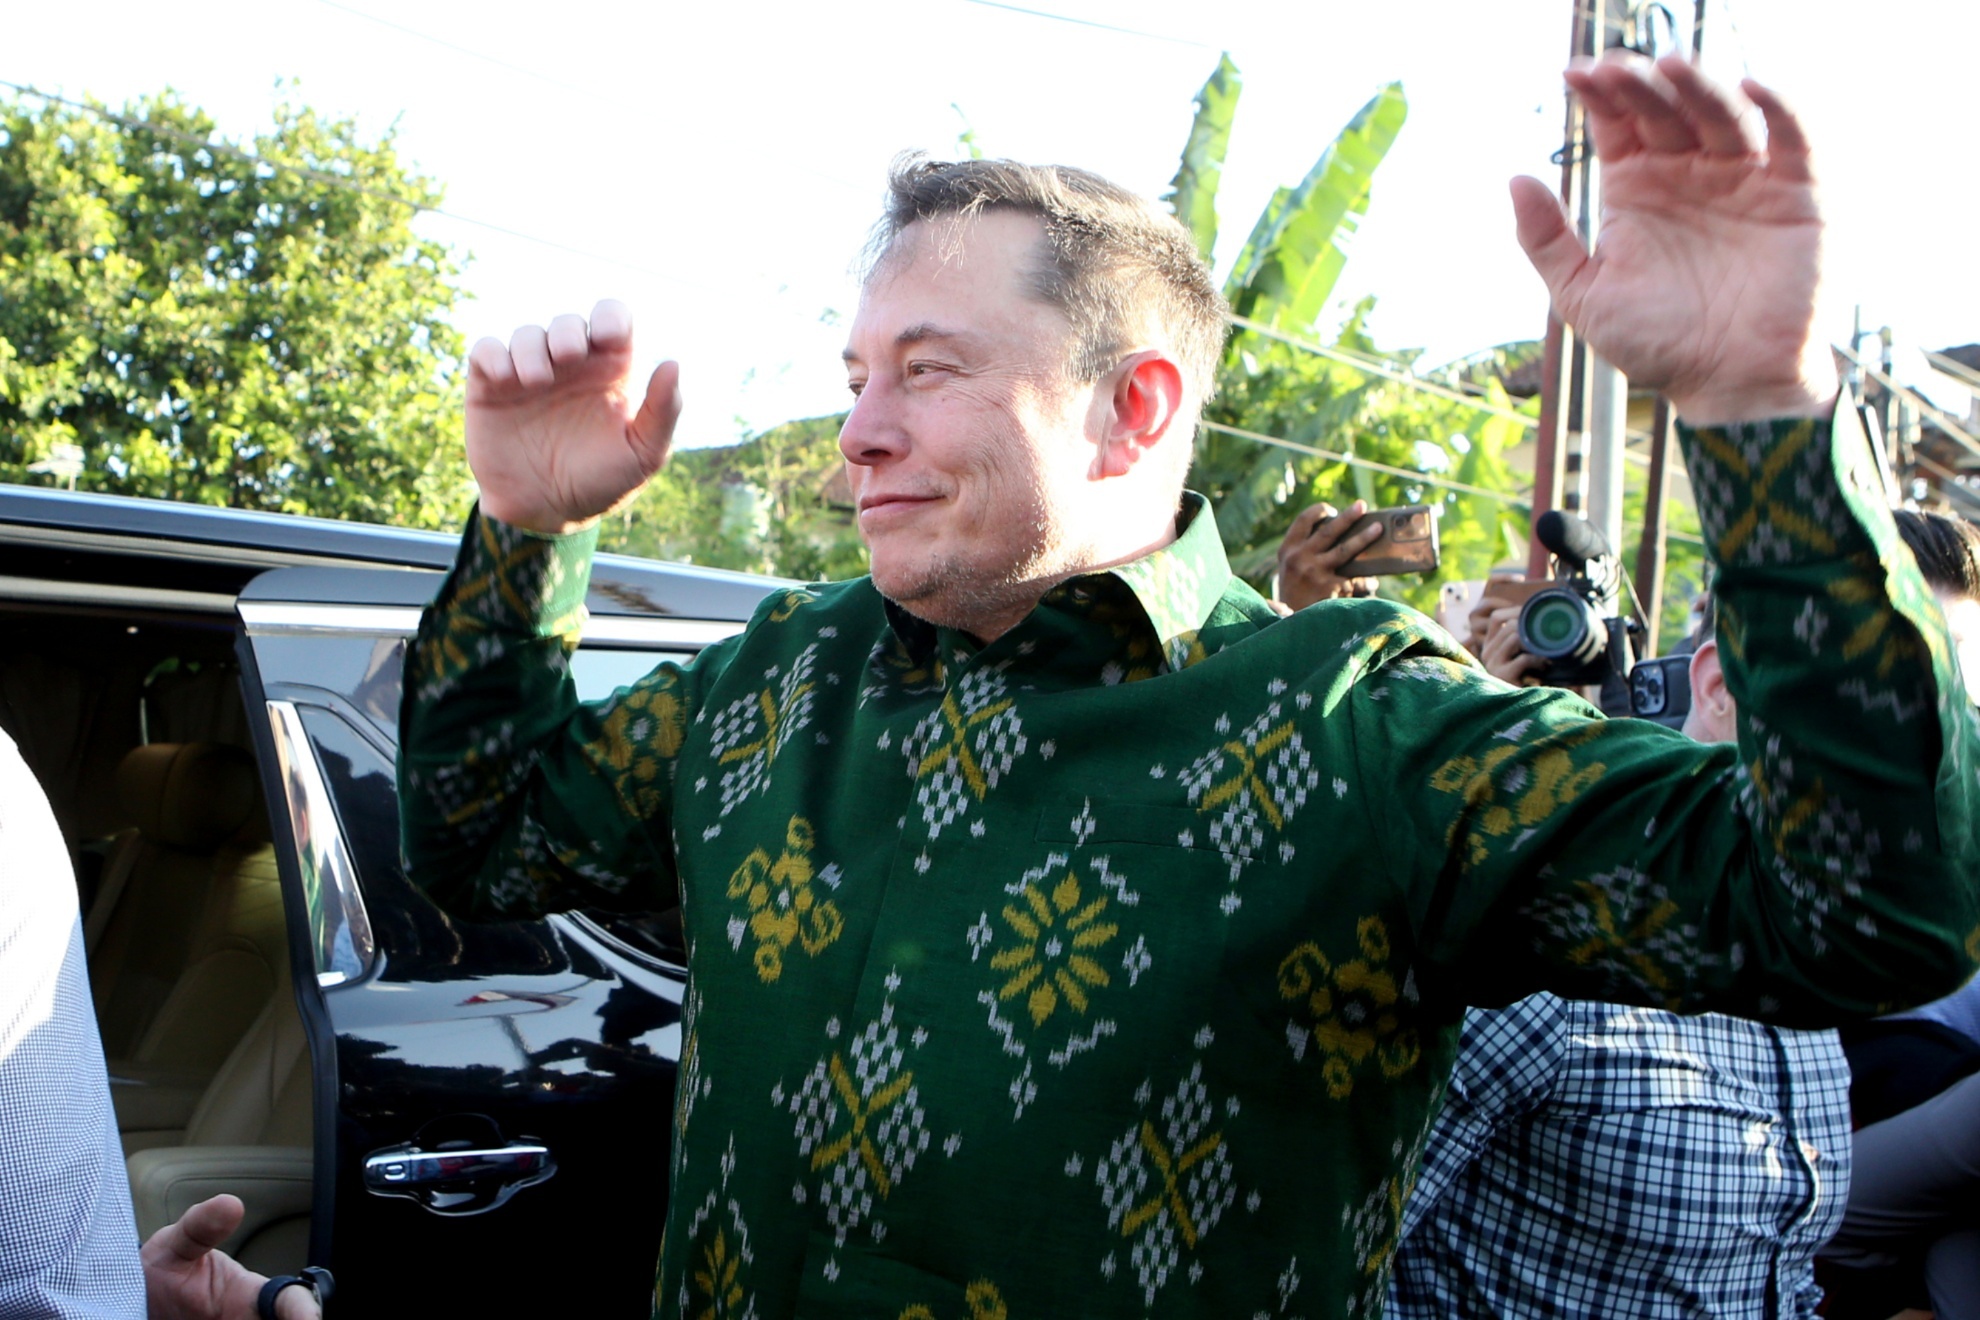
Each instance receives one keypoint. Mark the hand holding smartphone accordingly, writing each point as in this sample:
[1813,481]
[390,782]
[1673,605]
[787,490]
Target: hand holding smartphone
[1408,543]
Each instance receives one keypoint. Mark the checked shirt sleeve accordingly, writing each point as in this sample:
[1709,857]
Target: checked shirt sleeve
[515,799]
[1826,868]
[1508,1062]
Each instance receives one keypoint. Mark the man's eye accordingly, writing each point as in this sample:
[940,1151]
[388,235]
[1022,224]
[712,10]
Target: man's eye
[925,368]
[855,386]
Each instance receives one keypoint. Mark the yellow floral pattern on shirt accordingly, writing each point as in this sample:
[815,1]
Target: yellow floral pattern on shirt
[1767,513]
[1352,1009]
[1246,775]
[784,908]
[1880,631]
[981,1301]
[953,751]
[639,740]
[718,1292]
[863,1118]
[1501,798]
[1061,933]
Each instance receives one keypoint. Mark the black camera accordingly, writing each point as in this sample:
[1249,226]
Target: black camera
[1565,624]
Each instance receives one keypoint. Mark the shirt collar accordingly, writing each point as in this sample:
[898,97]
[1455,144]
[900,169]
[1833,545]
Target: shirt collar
[1176,586]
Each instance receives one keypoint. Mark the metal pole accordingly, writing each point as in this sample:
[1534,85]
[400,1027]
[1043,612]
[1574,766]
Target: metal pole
[1651,553]
[1550,449]
[1605,411]
[1608,419]
[1550,437]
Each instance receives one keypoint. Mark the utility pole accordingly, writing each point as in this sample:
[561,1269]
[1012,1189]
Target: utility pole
[1581,396]
[1560,413]
[1652,552]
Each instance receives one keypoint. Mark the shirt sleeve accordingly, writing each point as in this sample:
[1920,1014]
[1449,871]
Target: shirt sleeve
[1823,868]
[1508,1061]
[515,798]
[68,1241]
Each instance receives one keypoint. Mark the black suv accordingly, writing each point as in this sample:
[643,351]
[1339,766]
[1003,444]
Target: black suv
[458,1119]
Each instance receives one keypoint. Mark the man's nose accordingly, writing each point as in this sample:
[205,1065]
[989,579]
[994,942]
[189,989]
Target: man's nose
[872,431]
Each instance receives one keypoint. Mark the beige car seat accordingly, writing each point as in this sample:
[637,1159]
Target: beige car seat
[251,1136]
[187,942]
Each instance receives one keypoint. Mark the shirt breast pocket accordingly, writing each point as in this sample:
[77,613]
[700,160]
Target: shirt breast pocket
[1168,886]
[1088,822]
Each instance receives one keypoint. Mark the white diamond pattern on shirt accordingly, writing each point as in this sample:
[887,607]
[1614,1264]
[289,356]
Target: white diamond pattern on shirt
[861,1125]
[1166,1182]
[961,750]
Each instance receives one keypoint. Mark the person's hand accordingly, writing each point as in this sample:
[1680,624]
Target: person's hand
[1315,548]
[1706,275]
[186,1278]
[1501,653]
[552,435]
[1500,593]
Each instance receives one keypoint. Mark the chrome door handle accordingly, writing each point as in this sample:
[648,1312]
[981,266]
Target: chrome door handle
[457,1178]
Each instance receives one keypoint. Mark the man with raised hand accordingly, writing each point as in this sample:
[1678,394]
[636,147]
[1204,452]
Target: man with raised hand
[1066,930]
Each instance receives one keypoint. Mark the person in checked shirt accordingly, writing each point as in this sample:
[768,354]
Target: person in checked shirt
[1067,931]
[1610,1160]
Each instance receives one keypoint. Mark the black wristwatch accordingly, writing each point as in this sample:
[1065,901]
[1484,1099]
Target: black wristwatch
[315,1278]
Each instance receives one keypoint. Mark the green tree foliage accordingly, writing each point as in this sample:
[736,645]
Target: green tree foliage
[249,326]
[1684,552]
[1192,193]
[776,503]
[1280,390]
[1297,247]
[1281,281]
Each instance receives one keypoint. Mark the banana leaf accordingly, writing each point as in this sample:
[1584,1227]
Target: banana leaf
[1295,254]
[1192,195]
[1246,505]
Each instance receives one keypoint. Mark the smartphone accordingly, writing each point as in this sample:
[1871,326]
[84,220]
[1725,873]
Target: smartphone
[1408,543]
[1660,690]
[1455,602]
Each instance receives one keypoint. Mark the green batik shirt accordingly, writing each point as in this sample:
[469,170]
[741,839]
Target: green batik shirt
[1112,968]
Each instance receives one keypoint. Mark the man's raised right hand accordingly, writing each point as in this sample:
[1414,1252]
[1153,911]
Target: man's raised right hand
[552,435]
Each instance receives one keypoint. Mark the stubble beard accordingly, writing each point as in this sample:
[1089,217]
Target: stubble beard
[951,592]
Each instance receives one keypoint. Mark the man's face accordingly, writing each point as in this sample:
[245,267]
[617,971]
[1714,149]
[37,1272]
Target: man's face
[966,446]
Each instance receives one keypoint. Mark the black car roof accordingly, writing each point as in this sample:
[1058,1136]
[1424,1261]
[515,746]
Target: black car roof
[74,534]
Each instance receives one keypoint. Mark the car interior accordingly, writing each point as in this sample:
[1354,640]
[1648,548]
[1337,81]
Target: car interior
[134,723]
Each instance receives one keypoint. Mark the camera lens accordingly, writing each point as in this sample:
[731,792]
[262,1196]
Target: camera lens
[1647,694]
[1559,625]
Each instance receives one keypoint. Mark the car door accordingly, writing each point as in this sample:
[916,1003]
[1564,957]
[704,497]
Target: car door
[492,1101]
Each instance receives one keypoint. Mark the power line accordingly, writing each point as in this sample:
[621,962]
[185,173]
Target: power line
[1386,372]
[589,93]
[1089,23]
[1355,460]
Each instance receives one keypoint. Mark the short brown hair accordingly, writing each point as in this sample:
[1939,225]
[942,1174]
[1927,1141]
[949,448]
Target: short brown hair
[1113,259]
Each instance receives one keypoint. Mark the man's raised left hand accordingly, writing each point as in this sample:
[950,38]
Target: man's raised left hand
[1706,276]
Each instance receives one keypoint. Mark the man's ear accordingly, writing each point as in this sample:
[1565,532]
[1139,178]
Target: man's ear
[1708,680]
[1146,399]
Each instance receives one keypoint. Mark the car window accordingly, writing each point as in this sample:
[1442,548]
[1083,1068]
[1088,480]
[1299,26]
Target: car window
[600,671]
[407,925]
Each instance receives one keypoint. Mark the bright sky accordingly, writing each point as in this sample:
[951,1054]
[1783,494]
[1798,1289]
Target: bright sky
[717,166]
